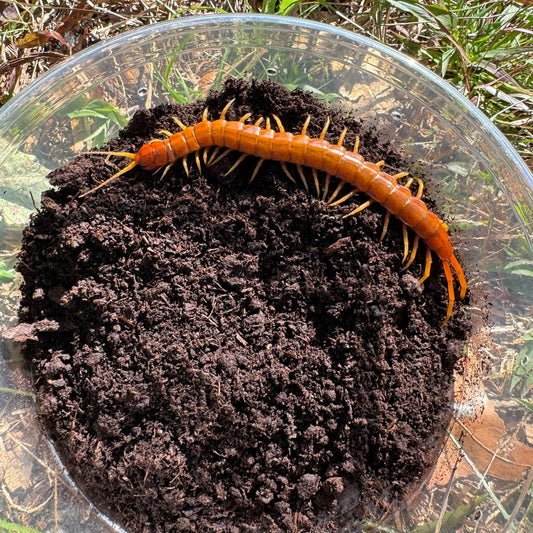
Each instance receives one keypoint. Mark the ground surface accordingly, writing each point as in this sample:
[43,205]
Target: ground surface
[215,356]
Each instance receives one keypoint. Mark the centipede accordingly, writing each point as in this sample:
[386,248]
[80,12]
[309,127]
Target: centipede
[261,140]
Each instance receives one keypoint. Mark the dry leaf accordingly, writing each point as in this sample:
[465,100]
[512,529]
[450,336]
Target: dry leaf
[72,19]
[481,434]
[38,38]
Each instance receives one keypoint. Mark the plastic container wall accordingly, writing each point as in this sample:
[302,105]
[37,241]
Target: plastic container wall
[484,186]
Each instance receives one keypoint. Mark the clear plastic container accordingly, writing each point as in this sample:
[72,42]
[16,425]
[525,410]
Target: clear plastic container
[486,192]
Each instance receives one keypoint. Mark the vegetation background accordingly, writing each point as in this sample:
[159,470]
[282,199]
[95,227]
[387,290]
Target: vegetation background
[482,47]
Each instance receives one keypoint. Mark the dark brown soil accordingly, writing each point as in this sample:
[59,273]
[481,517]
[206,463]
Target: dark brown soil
[214,356]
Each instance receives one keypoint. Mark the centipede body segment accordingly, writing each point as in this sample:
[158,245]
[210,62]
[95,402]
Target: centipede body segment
[319,155]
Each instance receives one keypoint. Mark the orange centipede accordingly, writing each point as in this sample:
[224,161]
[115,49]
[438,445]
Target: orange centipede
[319,155]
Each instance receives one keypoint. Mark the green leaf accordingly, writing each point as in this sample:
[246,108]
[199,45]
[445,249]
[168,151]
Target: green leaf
[16,528]
[525,403]
[523,267]
[452,519]
[415,9]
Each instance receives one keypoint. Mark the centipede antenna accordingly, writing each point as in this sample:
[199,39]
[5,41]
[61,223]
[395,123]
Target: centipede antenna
[245,117]
[317,184]
[326,187]
[324,130]
[278,122]
[225,110]
[345,197]
[306,124]
[179,123]
[385,226]
[413,253]
[337,190]
[185,165]
[451,293]
[256,170]
[405,243]
[236,164]
[113,177]
[119,154]
[427,269]
[287,173]
[359,208]
[302,177]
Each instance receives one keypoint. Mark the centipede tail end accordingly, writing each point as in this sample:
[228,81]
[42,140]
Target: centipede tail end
[451,292]
[448,264]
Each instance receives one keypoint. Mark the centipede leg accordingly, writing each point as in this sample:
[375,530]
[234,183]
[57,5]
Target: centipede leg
[404,227]
[225,110]
[337,190]
[213,160]
[180,123]
[413,253]
[349,195]
[405,243]
[427,269]
[341,183]
[205,155]
[305,126]
[278,122]
[327,180]
[185,165]
[167,168]
[359,208]
[197,160]
[302,177]
[451,293]
[256,170]
[385,226]
[314,171]
[315,179]
[236,164]
[388,215]
[287,173]
[268,127]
